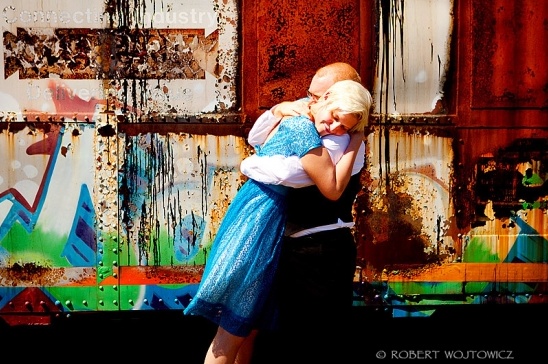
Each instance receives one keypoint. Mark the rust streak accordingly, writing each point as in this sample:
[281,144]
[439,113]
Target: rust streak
[474,272]
[160,275]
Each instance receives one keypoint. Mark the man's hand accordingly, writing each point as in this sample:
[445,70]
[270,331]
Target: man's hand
[356,139]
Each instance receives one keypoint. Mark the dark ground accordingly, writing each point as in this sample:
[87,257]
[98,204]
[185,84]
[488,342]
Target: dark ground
[515,333]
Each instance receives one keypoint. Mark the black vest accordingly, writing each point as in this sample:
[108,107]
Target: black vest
[307,207]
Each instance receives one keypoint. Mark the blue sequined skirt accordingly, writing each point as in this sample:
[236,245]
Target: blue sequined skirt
[240,269]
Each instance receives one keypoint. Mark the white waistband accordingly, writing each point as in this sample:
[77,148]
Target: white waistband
[339,224]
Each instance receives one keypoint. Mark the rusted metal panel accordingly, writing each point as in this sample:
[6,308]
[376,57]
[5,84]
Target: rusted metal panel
[132,59]
[105,202]
[294,39]
[286,42]
[405,214]
[476,272]
[122,163]
[72,77]
[493,219]
[508,60]
[414,57]
[173,192]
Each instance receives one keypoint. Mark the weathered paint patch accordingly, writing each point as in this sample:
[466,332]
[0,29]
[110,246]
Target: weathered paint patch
[408,204]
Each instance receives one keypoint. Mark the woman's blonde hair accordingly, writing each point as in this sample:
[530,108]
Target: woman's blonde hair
[348,97]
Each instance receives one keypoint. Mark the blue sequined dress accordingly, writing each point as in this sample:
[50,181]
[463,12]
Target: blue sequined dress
[244,256]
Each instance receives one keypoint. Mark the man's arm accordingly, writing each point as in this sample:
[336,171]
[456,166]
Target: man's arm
[262,127]
[288,171]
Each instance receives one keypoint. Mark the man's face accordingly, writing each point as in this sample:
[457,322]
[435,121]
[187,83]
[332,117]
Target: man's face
[318,86]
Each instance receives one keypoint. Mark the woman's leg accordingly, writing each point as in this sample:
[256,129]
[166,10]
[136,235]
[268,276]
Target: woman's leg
[223,348]
[246,349]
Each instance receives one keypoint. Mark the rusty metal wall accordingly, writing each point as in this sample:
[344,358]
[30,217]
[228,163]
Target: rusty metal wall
[123,125]
[454,219]
[460,90]
[121,144]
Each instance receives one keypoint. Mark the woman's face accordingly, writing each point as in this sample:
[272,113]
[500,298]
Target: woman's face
[334,122]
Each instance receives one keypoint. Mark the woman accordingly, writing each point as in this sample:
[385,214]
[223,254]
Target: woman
[239,273]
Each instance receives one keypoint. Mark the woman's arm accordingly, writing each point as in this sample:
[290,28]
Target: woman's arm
[332,179]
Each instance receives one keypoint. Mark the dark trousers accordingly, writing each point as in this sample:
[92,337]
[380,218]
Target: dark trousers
[314,290]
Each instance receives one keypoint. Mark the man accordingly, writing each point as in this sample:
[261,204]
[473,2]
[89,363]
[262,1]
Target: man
[318,259]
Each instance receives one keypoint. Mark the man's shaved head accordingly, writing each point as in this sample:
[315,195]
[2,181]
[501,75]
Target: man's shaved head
[327,75]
